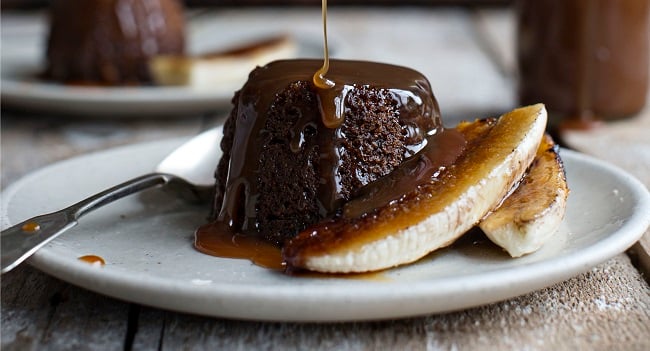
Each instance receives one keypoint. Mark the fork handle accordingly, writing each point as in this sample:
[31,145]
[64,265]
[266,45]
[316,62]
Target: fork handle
[25,238]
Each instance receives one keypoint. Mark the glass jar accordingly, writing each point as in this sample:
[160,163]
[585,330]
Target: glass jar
[585,59]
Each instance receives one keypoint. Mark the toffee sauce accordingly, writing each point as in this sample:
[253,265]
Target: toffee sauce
[218,239]
[31,227]
[319,79]
[213,239]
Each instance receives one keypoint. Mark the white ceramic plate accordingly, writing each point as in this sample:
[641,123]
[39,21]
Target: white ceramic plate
[146,242]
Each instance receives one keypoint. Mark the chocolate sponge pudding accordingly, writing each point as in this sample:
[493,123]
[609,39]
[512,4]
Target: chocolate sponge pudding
[109,42]
[293,153]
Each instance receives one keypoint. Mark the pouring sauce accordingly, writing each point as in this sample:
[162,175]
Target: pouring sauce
[320,81]
[332,114]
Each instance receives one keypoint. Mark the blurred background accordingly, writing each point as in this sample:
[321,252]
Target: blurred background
[38,3]
[477,55]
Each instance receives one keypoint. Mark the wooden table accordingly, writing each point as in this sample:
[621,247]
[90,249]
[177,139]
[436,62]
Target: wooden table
[468,56]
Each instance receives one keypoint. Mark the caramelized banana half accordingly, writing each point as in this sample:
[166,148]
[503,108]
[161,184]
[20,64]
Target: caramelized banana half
[434,214]
[532,213]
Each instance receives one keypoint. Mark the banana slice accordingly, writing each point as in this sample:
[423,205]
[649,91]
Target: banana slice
[533,212]
[434,214]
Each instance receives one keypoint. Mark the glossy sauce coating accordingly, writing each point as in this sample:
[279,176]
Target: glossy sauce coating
[441,151]
[346,233]
[217,239]
[212,240]
[417,111]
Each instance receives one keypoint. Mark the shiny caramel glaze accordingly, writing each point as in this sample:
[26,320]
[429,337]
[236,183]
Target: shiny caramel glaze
[538,189]
[109,42]
[441,152]
[409,91]
[485,143]
[544,178]
[219,242]
[533,211]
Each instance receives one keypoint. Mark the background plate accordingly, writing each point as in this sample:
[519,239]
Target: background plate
[20,87]
[23,59]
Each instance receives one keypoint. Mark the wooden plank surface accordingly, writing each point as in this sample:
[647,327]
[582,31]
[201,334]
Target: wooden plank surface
[603,309]
[469,61]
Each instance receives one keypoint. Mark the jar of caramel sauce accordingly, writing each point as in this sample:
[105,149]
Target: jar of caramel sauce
[585,59]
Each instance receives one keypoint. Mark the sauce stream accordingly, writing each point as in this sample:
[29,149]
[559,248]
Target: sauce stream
[320,81]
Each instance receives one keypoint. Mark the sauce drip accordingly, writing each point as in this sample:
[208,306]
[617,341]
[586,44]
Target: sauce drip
[320,81]
[218,239]
[93,260]
[331,101]
[31,227]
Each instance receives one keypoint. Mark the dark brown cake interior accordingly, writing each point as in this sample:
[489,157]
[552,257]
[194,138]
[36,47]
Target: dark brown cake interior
[282,170]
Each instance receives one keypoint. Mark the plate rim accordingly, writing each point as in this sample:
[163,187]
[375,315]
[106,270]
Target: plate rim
[500,282]
[133,102]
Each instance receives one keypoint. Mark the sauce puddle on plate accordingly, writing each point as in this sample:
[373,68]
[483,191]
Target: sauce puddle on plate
[93,260]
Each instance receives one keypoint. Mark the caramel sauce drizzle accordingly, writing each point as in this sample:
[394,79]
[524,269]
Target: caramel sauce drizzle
[320,81]
[331,101]
[218,239]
